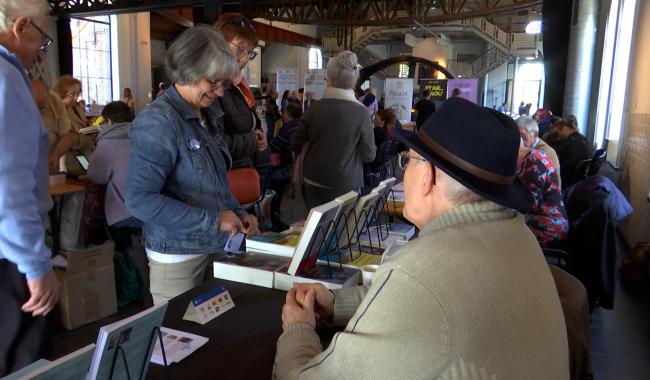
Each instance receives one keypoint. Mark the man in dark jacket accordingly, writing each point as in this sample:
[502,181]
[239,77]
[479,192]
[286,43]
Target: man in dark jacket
[425,107]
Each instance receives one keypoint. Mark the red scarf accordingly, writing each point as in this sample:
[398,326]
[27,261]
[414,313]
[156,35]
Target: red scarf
[246,91]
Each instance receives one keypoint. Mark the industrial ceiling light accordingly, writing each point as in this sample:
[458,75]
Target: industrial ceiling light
[534,27]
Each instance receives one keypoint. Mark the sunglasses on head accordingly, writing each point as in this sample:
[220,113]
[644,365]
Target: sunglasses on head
[241,21]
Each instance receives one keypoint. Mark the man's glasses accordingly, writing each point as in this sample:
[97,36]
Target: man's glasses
[217,84]
[403,159]
[47,40]
[241,51]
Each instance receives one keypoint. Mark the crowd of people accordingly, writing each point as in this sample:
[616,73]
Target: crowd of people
[472,294]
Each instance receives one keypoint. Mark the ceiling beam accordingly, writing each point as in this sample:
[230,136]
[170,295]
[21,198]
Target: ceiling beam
[177,16]
[381,13]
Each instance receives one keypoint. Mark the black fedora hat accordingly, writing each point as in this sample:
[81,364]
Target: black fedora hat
[475,145]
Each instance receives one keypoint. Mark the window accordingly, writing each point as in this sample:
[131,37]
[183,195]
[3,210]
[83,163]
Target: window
[403,70]
[91,57]
[315,59]
[528,86]
[613,75]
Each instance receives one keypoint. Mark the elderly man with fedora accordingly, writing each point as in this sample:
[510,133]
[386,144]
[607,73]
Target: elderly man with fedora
[471,298]
[28,287]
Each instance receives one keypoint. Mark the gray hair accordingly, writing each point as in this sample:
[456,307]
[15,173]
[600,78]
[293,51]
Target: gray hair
[528,124]
[10,9]
[455,192]
[198,53]
[342,70]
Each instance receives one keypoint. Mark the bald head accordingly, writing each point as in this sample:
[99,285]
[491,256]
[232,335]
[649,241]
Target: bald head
[40,93]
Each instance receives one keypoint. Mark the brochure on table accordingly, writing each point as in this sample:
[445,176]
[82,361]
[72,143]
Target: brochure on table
[178,345]
[134,336]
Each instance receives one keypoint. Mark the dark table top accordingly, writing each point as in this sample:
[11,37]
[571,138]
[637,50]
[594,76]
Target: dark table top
[242,340]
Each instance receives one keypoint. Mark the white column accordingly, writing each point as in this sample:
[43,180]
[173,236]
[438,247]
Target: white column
[133,57]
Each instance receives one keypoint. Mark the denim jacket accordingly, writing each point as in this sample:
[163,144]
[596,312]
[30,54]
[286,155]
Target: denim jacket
[176,182]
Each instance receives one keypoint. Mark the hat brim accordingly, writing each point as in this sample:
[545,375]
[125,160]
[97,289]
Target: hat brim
[515,196]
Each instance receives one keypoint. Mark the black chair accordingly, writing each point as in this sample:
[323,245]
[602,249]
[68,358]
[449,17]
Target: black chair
[381,168]
[597,161]
[558,257]
[582,169]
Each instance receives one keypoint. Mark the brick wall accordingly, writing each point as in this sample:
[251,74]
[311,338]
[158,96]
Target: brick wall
[636,177]
[635,144]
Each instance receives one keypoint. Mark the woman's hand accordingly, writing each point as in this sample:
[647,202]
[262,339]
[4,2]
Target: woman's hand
[250,224]
[229,222]
[262,143]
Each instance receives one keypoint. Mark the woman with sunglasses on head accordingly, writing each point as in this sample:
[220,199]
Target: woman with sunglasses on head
[242,127]
[69,90]
[176,181]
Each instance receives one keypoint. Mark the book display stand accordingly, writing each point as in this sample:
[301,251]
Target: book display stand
[119,351]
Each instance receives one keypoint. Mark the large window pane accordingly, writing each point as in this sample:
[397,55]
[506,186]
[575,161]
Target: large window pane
[91,52]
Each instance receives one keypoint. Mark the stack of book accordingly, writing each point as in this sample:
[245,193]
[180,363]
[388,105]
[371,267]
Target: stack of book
[264,262]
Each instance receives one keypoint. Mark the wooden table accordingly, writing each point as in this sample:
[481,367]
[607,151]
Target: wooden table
[67,188]
[58,192]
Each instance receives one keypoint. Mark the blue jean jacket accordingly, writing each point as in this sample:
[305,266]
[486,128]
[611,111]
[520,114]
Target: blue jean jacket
[177,182]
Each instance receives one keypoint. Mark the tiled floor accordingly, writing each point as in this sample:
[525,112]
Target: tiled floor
[620,339]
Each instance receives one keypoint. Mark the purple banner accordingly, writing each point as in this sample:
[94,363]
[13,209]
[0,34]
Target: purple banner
[468,88]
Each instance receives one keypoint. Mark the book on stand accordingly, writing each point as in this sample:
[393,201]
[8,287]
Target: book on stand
[73,366]
[132,341]
[313,236]
[389,182]
[357,220]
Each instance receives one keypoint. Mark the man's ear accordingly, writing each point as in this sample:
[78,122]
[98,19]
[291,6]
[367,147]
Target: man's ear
[427,182]
[20,24]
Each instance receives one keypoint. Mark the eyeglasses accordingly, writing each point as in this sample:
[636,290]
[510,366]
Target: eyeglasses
[217,84]
[73,95]
[47,40]
[241,21]
[403,159]
[241,51]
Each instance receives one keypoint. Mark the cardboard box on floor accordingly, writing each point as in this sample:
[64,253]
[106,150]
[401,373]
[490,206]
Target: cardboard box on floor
[87,286]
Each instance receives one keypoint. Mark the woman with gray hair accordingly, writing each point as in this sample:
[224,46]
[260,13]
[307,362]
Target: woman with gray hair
[176,182]
[339,134]
[529,132]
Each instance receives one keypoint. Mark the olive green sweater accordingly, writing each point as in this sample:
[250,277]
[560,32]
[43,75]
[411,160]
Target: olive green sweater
[471,298]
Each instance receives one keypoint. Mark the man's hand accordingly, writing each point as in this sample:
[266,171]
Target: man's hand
[44,295]
[324,305]
[262,143]
[294,312]
[53,162]
[250,224]
[229,222]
